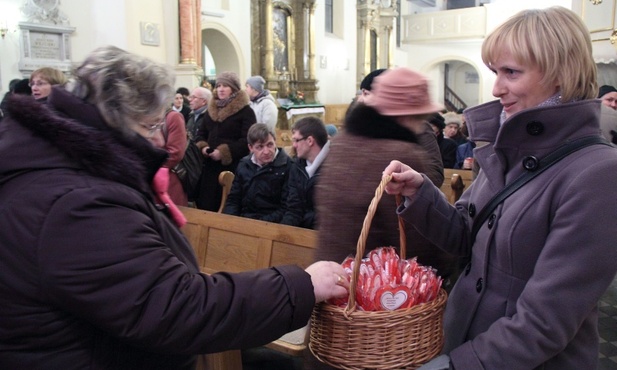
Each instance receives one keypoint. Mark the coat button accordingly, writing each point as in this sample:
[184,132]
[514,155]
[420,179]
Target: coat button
[479,285]
[491,221]
[467,269]
[472,210]
[535,128]
[530,163]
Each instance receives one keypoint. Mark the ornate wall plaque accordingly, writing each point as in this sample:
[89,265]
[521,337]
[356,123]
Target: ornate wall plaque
[45,37]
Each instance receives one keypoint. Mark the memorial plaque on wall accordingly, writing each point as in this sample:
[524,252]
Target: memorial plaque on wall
[44,46]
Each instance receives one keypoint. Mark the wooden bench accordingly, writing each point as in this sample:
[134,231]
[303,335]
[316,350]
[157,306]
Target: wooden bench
[455,182]
[234,244]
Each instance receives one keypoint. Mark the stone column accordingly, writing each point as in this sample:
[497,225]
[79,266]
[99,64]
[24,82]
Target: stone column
[187,31]
[198,49]
[311,41]
[268,42]
[391,44]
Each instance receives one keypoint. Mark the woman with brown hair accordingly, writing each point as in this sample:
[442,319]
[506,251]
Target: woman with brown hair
[222,136]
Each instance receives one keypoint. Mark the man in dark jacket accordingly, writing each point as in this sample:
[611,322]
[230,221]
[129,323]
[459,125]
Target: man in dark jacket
[198,102]
[310,141]
[259,190]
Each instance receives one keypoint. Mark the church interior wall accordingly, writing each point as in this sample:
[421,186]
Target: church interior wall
[336,54]
[118,22]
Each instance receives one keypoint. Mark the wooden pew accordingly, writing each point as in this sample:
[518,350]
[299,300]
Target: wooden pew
[234,244]
[455,182]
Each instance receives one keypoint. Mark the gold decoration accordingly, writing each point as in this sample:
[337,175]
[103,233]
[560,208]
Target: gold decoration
[596,2]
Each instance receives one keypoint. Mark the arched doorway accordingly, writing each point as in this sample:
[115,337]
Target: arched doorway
[221,53]
[457,83]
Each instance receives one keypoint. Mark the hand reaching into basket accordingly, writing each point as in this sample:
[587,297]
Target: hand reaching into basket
[328,280]
[405,181]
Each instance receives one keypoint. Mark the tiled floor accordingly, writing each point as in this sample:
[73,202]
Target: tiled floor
[262,359]
[608,329]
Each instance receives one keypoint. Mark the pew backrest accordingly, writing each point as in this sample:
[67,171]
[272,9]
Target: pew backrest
[233,244]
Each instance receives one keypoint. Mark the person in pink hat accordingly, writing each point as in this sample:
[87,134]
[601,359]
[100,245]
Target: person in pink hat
[376,131]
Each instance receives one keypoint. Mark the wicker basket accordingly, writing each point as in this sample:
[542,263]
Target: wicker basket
[401,339]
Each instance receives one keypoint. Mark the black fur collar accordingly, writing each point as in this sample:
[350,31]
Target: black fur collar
[366,121]
[76,129]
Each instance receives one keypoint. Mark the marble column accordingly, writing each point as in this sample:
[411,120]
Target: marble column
[268,43]
[198,42]
[311,41]
[187,31]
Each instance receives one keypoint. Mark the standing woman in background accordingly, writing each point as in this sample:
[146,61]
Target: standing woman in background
[222,137]
[42,80]
[540,262]
[174,133]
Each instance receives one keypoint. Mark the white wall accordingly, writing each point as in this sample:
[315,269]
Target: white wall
[337,81]
[96,23]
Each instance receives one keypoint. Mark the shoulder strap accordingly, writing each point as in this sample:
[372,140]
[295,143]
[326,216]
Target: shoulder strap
[546,162]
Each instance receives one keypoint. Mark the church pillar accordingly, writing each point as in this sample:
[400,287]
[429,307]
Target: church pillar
[267,45]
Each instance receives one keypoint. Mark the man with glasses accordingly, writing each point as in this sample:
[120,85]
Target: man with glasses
[310,141]
[198,101]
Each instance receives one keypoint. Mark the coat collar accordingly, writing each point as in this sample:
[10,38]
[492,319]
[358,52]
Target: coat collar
[68,132]
[533,132]
[366,121]
[220,114]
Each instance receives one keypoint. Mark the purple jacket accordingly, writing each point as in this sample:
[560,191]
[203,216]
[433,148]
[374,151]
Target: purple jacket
[93,275]
[528,299]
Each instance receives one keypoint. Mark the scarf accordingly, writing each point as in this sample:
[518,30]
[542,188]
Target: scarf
[553,100]
[260,95]
[223,102]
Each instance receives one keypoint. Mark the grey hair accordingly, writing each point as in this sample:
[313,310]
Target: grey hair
[126,88]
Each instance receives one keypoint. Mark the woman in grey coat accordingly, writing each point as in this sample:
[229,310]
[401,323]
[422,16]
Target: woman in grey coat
[539,264]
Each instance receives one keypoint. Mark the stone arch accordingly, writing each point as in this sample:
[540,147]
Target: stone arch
[465,78]
[225,49]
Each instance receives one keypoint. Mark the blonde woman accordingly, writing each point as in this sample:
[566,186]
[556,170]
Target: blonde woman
[544,256]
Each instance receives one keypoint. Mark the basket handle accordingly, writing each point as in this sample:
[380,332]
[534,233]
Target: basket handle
[361,246]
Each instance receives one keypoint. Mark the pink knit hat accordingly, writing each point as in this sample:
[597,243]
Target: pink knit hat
[401,92]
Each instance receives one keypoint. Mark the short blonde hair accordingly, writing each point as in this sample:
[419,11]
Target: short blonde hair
[51,75]
[556,41]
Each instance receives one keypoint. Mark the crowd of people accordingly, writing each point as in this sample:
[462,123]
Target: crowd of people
[96,272]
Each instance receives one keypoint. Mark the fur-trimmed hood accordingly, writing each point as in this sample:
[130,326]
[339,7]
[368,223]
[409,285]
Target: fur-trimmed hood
[220,114]
[66,132]
[366,121]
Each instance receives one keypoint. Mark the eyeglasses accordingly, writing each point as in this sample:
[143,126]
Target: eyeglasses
[298,140]
[38,83]
[191,97]
[152,129]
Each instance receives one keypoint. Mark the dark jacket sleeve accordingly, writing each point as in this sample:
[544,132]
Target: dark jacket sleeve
[239,148]
[295,208]
[111,268]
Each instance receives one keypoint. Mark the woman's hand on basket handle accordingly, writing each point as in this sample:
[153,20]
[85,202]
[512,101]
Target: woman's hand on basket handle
[329,280]
[405,181]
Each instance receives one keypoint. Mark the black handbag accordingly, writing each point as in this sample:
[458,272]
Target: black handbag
[189,169]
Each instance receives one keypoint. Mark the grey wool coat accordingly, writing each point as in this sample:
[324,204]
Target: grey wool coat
[528,298]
